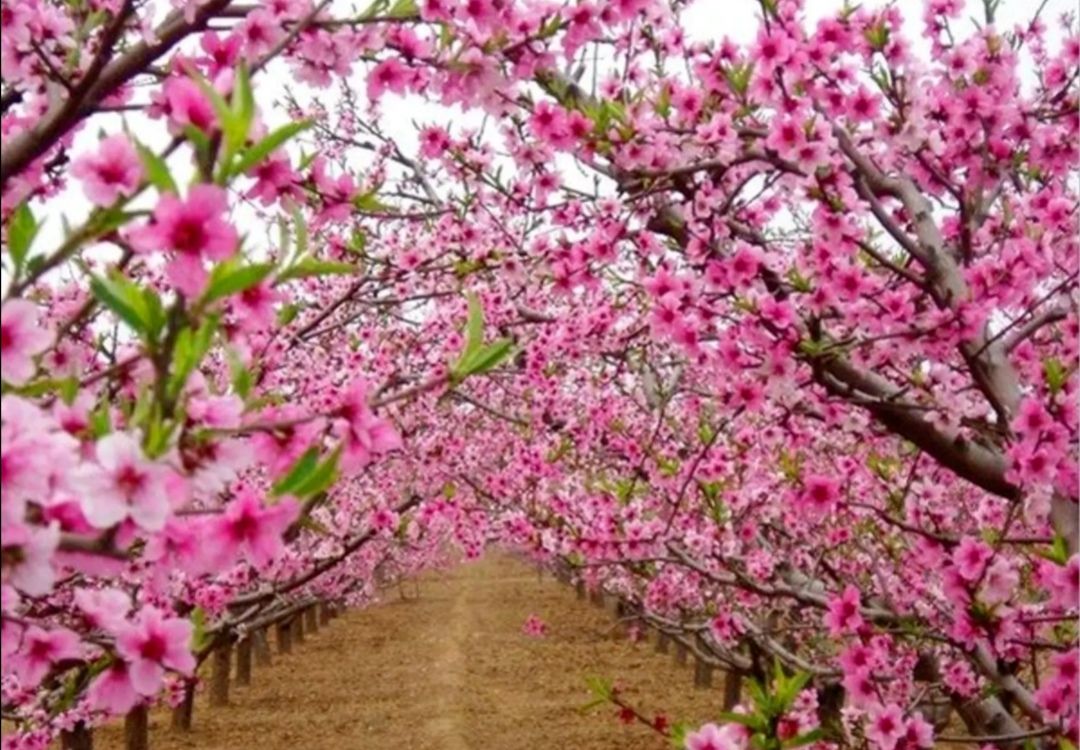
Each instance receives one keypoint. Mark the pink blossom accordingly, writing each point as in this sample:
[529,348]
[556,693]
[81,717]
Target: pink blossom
[365,435]
[28,555]
[843,615]
[259,32]
[123,484]
[886,727]
[113,171]
[434,141]
[820,493]
[41,649]
[1032,418]
[1000,581]
[859,687]
[389,75]
[970,558]
[112,691]
[22,337]
[105,609]
[195,229]
[250,528]
[534,627]
[152,644]
[384,520]
[712,737]
[254,307]
[222,54]
[920,732]
[187,105]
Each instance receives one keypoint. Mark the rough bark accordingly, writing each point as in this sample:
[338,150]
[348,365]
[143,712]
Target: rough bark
[261,647]
[663,642]
[284,637]
[243,661]
[79,737]
[182,714]
[137,729]
[219,680]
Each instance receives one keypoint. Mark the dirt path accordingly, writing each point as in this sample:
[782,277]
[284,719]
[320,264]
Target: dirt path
[450,670]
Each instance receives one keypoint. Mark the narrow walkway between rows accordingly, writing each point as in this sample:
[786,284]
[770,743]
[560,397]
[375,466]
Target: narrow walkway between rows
[449,670]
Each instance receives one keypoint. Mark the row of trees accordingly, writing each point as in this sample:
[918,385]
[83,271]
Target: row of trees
[776,342]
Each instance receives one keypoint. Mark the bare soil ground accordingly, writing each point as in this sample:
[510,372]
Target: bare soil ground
[450,670]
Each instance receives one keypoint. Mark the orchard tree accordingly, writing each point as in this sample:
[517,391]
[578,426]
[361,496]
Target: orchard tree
[776,342]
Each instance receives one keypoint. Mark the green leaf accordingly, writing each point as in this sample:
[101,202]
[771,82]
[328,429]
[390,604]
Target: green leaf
[230,278]
[199,638]
[109,220]
[69,389]
[758,695]
[358,243]
[1058,551]
[130,304]
[404,9]
[157,171]
[485,359]
[301,233]
[311,267]
[241,376]
[788,690]
[474,339]
[243,101]
[255,155]
[877,36]
[679,730]
[585,708]
[287,314]
[1056,374]
[309,523]
[753,721]
[321,478]
[22,228]
[100,421]
[158,435]
[300,472]
[222,110]
[474,325]
[191,347]
[738,78]
[807,738]
[600,687]
[370,202]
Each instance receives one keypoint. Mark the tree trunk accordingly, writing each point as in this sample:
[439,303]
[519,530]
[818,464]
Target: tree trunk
[284,637]
[702,674]
[79,737]
[663,642]
[243,661]
[681,652]
[298,627]
[181,715]
[580,588]
[732,689]
[324,613]
[311,617]
[219,680]
[137,729]
[261,647]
